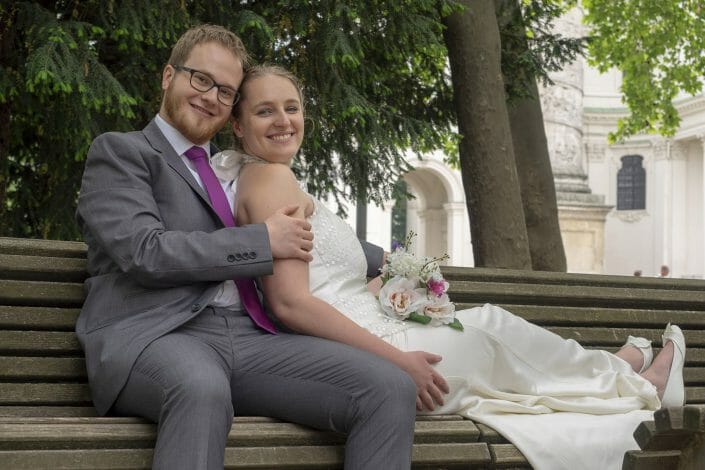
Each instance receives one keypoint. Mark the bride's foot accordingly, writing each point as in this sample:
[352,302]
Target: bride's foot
[637,353]
[666,371]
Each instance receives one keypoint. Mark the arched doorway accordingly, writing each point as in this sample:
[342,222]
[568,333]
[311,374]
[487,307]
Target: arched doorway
[437,213]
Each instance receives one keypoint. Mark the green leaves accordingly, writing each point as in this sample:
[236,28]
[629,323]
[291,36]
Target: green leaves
[657,45]
[374,73]
[59,86]
[425,320]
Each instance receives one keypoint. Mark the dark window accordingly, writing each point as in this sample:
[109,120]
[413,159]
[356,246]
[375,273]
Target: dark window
[399,227]
[631,184]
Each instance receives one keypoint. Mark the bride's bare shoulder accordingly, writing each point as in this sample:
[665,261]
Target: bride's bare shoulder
[270,174]
[264,188]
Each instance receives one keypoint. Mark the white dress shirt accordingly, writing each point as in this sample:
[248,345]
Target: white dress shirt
[227,295]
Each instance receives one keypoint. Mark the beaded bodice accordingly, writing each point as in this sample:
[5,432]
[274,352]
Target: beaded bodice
[337,273]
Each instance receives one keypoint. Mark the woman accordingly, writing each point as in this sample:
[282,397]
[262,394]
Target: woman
[501,370]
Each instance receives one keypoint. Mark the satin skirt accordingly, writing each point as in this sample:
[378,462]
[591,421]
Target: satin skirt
[563,406]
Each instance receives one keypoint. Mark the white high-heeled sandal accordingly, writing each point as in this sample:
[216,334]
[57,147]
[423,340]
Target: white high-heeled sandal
[674,393]
[643,345]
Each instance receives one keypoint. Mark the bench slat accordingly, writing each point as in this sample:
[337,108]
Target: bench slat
[23,412]
[44,394]
[603,316]
[39,342]
[506,455]
[42,368]
[51,394]
[588,296]
[301,457]
[651,460]
[41,293]
[500,275]
[237,419]
[50,368]
[38,318]
[39,268]
[57,434]
[616,336]
[72,368]
[36,247]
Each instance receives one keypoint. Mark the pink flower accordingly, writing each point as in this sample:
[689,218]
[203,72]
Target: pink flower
[437,285]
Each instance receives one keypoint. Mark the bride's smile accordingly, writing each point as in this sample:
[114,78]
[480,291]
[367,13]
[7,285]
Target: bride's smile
[270,120]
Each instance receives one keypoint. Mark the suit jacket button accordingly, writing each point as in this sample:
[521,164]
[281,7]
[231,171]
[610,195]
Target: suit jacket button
[231,258]
[195,307]
[238,256]
[253,255]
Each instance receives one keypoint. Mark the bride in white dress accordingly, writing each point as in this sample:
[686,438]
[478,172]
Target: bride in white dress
[529,384]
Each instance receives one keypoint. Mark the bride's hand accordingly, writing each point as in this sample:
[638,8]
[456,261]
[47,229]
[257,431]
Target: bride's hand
[430,385]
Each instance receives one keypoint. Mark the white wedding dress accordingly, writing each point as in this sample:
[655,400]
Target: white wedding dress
[561,405]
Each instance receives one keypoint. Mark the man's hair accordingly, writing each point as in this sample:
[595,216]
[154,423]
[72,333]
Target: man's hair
[208,33]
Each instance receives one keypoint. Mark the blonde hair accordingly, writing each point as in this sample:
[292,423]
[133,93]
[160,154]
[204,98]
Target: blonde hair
[208,33]
[258,71]
[264,70]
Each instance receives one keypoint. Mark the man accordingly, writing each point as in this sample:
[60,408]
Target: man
[163,326]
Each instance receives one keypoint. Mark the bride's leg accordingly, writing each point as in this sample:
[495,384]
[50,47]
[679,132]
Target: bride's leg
[658,373]
[637,353]
[632,356]
[519,354]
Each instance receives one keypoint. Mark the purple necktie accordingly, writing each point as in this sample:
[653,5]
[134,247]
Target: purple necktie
[246,287]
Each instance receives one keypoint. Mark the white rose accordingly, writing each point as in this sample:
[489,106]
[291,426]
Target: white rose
[440,309]
[399,297]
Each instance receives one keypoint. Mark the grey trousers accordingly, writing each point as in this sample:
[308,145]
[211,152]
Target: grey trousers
[193,380]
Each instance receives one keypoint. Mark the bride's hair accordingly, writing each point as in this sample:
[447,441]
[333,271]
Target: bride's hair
[258,71]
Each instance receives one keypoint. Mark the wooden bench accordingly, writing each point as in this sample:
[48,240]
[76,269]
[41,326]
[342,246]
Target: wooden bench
[47,419]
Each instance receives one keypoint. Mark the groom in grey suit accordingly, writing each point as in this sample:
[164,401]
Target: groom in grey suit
[163,329]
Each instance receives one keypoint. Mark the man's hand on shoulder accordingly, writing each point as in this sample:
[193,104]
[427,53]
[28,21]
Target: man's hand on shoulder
[289,236]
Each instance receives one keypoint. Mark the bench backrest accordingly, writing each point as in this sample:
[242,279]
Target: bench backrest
[42,370]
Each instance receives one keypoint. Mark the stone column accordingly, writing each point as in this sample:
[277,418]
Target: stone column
[701,138]
[416,223]
[457,244]
[675,201]
[434,233]
[562,106]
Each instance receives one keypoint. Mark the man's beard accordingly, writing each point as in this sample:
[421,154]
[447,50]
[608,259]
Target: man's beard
[198,134]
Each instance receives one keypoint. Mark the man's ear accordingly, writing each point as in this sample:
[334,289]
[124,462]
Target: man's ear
[167,76]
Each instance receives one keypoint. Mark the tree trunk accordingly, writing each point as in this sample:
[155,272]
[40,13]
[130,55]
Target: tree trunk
[486,155]
[538,191]
[361,216]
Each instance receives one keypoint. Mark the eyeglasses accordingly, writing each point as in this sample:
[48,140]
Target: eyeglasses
[203,83]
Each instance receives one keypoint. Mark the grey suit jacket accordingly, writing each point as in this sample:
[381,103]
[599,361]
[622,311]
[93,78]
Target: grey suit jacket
[157,252]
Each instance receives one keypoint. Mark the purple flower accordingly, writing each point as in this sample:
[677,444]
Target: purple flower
[437,285]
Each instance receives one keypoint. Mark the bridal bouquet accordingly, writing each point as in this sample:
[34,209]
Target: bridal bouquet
[414,289]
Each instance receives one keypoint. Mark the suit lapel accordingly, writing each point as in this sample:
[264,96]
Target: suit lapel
[158,142]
